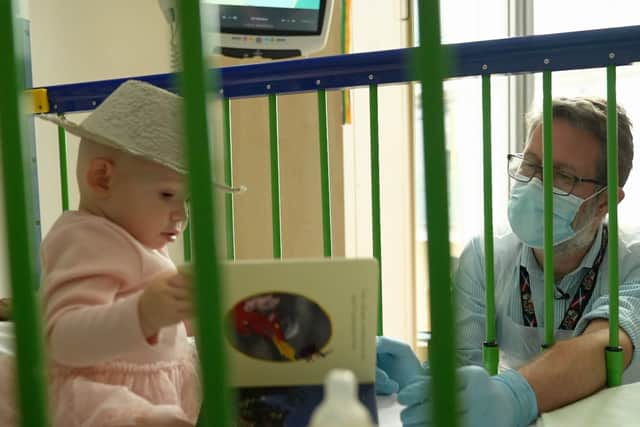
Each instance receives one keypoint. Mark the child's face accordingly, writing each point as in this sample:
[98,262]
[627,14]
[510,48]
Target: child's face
[149,201]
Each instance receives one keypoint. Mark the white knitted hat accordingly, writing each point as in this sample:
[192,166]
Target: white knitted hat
[138,118]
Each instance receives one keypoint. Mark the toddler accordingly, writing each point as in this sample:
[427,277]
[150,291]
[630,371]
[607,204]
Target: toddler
[114,303]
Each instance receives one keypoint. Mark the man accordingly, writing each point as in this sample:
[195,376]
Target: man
[574,367]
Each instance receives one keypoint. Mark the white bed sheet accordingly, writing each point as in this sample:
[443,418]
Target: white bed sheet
[617,406]
[388,411]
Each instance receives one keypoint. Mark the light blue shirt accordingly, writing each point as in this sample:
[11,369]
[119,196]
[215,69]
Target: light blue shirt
[509,254]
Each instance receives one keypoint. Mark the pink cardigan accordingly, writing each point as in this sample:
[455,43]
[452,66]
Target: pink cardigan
[93,273]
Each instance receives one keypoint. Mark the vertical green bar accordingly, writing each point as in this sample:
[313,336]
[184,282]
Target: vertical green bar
[64,180]
[324,172]
[490,346]
[228,180]
[186,243]
[429,66]
[547,178]
[216,405]
[275,176]
[375,192]
[17,193]
[614,355]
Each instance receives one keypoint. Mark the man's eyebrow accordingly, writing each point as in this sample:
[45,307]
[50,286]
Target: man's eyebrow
[560,166]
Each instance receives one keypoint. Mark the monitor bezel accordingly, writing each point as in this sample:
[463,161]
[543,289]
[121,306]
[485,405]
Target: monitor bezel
[276,46]
[271,32]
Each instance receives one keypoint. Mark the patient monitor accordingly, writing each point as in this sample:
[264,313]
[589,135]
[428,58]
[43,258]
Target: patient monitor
[266,28]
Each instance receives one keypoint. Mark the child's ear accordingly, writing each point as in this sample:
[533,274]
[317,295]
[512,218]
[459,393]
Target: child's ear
[100,176]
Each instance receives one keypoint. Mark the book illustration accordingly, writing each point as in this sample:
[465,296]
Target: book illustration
[279,327]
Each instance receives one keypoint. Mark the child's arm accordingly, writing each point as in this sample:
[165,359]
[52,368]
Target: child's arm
[90,327]
[91,307]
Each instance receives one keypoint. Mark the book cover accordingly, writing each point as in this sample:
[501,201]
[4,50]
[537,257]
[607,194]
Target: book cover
[289,323]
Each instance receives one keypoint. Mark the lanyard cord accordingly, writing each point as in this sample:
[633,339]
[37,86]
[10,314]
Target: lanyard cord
[580,299]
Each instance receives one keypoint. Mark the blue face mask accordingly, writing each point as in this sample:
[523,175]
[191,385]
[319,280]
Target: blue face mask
[526,214]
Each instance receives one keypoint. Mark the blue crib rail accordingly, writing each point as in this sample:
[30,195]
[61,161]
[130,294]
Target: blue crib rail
[552,52]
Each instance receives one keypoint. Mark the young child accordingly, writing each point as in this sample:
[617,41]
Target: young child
[114,302]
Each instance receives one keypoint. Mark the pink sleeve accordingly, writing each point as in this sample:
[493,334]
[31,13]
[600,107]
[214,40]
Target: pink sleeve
[87,267]
[91,335]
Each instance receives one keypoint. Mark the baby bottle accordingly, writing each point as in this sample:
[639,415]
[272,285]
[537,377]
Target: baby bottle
[340,406]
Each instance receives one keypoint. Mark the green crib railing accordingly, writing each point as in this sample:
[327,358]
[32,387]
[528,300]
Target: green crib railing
[490,353]
[614,355]
[215,409]
[17,193]
[547,174]
[430,64]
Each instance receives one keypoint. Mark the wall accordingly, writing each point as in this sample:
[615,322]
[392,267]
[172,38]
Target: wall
[396,168]
[85,40]
[299,169]
[77,41]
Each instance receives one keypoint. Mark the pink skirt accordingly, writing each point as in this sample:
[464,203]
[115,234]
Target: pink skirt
[118,394]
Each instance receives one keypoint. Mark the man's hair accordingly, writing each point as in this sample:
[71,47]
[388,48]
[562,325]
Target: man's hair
[590,114]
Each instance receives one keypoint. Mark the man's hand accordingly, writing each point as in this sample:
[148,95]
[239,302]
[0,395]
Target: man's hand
[504,400]
[165,302]
[396,365]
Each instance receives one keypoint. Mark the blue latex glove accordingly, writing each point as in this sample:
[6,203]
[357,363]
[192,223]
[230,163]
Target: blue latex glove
[396,365]
[384,384]
[505,400]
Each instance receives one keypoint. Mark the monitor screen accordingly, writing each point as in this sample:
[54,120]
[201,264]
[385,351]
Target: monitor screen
[269,17]
[268,28]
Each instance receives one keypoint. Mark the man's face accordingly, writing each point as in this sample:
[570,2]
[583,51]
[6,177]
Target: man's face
[149,201]
[575,152]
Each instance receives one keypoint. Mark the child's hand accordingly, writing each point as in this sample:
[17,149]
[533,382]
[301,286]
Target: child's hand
[165,302]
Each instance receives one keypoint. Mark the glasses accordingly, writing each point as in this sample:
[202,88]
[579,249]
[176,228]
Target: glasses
[563,183]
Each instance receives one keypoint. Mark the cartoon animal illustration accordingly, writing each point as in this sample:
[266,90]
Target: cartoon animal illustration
[250,319]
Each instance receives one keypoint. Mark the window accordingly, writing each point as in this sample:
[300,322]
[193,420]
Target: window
[552,17]
[463,126]
[511,98]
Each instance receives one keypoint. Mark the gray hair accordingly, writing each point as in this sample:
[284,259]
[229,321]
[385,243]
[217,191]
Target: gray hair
[590,114]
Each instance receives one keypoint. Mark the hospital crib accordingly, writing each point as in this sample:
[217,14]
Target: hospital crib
[429,64]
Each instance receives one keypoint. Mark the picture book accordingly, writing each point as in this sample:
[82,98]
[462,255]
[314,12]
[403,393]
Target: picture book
[289,323]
